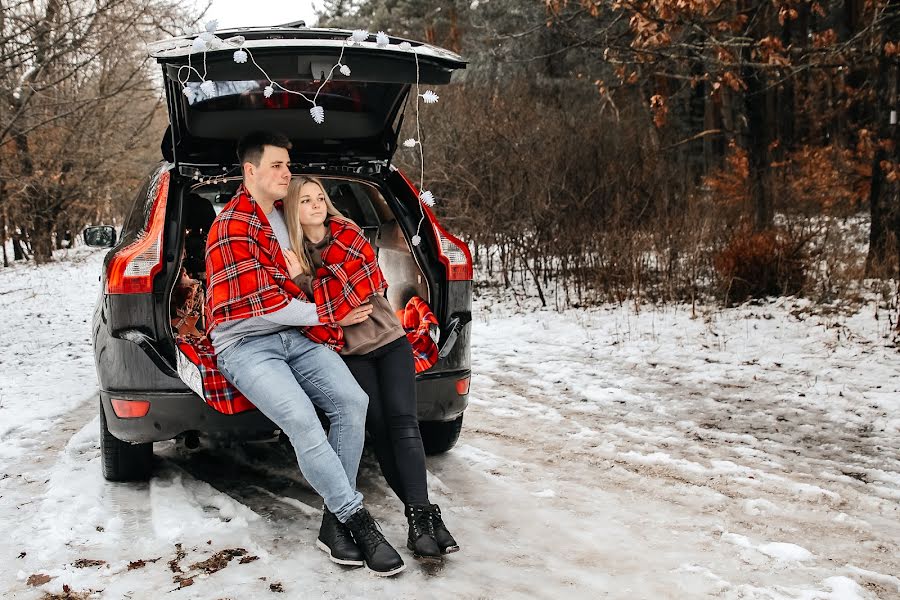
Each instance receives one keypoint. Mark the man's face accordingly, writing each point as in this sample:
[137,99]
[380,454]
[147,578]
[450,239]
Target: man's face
[270,179]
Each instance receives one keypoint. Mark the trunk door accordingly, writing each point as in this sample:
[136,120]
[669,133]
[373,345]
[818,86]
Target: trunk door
[363,111]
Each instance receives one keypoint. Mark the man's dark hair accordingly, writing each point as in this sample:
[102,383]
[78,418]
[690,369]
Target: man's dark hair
[250,147]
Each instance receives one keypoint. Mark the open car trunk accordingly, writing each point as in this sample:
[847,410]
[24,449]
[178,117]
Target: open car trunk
[357,199]
[213,100]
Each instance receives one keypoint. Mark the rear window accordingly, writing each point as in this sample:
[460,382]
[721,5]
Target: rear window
[352,97]
[357,200]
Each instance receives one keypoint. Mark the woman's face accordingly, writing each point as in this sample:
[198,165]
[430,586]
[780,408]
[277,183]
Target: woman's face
[311,201]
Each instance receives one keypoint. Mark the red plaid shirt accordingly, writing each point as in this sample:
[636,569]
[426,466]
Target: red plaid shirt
[246,274]
[350,273]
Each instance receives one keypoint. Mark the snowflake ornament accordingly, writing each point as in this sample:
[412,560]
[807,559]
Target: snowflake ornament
[240,56]
[382,39]
[405,46]
[416,240]
[211,25]
[359,35]
[268,91]
[410,143]
[429,97]
[345,70]
[427,198]
[208,88]
[318,114]
[199,45]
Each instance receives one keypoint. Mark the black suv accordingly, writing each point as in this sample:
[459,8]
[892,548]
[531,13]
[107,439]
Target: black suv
[146,393]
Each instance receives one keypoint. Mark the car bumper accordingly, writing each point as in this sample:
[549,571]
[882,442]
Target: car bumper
[172,414]
[437,397]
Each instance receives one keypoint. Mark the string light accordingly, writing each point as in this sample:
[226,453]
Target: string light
[207,41]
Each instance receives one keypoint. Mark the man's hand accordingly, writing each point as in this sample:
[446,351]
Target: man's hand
[357,315]
[293,263]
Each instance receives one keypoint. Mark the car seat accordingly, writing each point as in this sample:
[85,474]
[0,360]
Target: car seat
[343,199]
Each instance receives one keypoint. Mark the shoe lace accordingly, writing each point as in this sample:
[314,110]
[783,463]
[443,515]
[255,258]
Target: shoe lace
[371,533]
[422,521]
[436,520]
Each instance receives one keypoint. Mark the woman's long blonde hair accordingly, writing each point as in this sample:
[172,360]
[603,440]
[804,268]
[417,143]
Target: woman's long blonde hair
[292,217]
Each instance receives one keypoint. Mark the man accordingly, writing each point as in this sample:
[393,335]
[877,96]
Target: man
[272,347]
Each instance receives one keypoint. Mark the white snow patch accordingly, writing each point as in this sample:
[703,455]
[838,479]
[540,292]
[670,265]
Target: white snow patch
[778,550]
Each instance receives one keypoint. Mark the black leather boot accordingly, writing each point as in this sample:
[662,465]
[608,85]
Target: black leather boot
[335,539]
[421,533]
[381,558]
[441,535]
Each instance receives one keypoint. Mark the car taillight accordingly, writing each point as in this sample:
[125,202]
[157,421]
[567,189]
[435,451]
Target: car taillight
[132,269]
[462,386]
[130,409]
[452,251]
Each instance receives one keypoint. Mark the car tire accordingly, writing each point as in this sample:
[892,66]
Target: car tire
[440,436]
[123,461]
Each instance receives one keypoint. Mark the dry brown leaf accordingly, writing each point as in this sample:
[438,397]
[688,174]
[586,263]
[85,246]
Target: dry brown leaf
[141,563]
[38,579]
[82,563]
[219,560]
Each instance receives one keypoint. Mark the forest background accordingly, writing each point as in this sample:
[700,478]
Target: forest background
[592,151]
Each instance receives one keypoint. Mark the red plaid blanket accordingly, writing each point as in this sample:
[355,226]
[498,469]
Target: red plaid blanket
[350,273]
[197,368]
[246,274]
[416,318]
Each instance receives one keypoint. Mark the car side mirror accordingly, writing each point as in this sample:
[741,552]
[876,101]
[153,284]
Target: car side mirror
[100,236]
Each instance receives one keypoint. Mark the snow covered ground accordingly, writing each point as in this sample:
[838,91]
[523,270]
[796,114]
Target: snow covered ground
[608,453]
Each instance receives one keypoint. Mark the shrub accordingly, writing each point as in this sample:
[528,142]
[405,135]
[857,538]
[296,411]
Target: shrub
[755,264]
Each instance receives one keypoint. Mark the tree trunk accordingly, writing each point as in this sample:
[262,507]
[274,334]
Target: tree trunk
[757,99]
[758,141]
[3,230]
[878,238]
[884,206]
[18,249]
[42,239]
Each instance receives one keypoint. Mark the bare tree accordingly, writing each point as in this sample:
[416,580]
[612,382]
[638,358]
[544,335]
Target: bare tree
[76,93]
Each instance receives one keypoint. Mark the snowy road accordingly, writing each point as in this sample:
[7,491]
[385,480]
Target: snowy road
[751,453]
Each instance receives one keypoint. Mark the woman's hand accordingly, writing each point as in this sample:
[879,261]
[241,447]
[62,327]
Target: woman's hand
[357,315]
[293,263]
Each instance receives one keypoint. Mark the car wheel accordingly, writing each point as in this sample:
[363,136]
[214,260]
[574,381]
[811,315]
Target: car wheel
[123,461]
[440,436]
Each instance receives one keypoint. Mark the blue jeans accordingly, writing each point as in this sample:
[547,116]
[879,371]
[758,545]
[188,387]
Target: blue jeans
[284,374]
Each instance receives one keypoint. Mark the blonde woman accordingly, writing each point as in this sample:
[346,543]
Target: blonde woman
[340,272]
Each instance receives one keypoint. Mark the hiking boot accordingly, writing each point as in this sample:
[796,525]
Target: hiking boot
[381,558]
[444,540]
[421,533]
[336,540]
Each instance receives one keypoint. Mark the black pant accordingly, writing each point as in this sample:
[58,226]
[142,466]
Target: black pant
[388,376]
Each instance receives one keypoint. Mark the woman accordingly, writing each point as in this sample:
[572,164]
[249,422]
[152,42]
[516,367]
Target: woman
[331,249]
